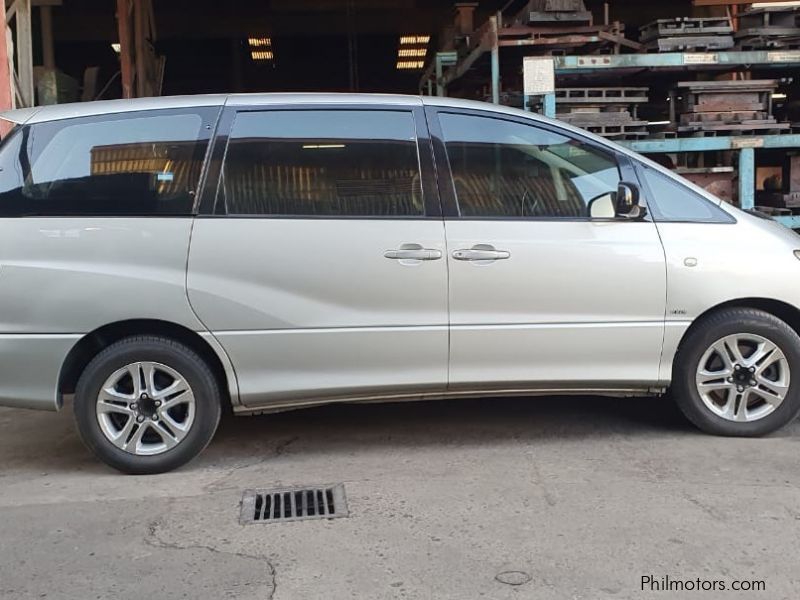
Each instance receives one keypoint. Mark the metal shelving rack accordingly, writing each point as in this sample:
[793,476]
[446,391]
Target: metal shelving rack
[621,64]
[613,66]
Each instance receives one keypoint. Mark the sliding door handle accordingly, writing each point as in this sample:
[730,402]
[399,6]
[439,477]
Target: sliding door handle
[413,254]
[481,254]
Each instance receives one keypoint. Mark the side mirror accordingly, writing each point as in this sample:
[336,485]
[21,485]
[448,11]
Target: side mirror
[627,201]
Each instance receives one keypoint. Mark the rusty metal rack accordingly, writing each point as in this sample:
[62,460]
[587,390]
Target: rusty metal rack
[687,33]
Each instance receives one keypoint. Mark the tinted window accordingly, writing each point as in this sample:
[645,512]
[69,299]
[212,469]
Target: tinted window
[323,163]
[671,201]
[125,164]
[506,169]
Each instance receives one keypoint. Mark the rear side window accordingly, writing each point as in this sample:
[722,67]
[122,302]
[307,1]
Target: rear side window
[508,169]
[296,163]
[139,163]
[670,201]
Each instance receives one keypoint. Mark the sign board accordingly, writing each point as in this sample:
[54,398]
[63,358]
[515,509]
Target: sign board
[538,75]
[700,59]
[747,142]
[784,56]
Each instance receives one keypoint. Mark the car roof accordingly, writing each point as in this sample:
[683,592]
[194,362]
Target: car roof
[38,114]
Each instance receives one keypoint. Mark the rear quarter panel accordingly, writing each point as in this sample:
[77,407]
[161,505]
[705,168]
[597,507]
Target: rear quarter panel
[61,278]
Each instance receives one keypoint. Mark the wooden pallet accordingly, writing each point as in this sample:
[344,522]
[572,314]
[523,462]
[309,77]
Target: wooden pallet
[777,17]
[600,118]
[700,43]
[601,95]
[685,26]
[704,130]
[548,12]
[746,116]
[632,131]
[726,96]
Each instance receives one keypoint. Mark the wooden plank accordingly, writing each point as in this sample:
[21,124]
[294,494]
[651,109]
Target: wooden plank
[6,84]
[46,22]
[24,51]
[125,46]
[139,44]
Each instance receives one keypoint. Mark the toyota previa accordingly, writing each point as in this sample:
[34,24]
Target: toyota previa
[163,259]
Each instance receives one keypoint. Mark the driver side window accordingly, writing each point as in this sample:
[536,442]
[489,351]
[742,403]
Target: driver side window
[507,169]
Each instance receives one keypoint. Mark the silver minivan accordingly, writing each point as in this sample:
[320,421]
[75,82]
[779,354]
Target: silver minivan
[162,259]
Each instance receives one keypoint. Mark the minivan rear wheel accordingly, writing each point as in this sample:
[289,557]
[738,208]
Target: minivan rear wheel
[147,404]
[737,373]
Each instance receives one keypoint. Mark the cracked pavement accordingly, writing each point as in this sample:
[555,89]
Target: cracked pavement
[556,498]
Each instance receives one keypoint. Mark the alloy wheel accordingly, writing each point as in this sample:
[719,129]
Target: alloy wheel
[145,408]
[743,377]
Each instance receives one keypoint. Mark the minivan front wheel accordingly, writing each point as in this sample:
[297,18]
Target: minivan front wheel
[147,405]
[738,373]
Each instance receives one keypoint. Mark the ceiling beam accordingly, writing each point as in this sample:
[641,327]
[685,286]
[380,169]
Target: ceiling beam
[74,26]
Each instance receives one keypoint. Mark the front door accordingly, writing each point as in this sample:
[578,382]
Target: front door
[540,294]
[325,276]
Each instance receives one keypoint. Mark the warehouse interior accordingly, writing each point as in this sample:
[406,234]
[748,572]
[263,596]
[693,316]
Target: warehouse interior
[706,87]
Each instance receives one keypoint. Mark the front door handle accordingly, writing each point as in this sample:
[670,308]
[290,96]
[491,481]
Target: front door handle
[414,254]
[481,252]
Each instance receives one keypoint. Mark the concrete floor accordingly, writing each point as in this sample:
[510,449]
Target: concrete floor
[582,495]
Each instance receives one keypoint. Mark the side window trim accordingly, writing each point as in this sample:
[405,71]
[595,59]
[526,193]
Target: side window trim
[658,217]
[444,173]
[215,203]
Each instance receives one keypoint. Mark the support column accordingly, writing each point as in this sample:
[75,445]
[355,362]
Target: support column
[48,51]
[6,74]
[494,41]
[125,47]
[747,178]
[440,91]
[24,51]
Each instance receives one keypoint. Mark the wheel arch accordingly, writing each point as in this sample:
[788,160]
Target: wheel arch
[95,341]
[783,310]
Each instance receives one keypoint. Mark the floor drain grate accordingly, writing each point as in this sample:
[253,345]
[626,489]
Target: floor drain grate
[293,504]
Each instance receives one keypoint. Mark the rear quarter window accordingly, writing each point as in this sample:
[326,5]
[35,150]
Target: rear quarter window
[139,163]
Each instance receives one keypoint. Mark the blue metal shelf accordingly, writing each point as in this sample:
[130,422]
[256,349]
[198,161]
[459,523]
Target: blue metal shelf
[672,60]
[746,145]
[792,222]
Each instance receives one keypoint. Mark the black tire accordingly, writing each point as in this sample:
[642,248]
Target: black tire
[182,359]
[712,328]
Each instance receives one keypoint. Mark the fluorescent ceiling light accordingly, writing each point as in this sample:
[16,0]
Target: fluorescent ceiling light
[406,52]
[410,64]
[779,96]
[659,122]
[259,42]
[410,40]
[262,55]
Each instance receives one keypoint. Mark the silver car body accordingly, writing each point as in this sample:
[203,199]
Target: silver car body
[305,311]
